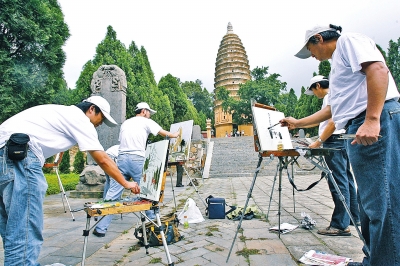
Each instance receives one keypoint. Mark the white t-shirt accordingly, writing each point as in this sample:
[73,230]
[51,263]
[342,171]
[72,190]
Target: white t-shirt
[322,125]
[134,133]
[348,86]
[52,129]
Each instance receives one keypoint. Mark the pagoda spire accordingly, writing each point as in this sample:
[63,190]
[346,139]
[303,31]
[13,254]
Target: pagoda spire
[230,28]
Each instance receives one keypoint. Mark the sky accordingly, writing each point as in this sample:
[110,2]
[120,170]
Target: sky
[182,37]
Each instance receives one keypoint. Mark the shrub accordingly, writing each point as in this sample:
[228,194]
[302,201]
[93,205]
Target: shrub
[48,170]
[79,162]
[69,182]
[64,164]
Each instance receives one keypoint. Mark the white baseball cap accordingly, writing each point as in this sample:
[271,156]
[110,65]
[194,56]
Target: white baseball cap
[144,105]
[313,80]
[304,53]
[104,107]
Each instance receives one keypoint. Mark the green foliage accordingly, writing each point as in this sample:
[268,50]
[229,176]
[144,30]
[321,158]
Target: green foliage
[32,34]
[324,68]
[79,162]
[69,182]
[48,170]
[64,164]
[393,60]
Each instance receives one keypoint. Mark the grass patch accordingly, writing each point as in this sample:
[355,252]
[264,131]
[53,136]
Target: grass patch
[242,238]
[106,246]
[155,260]
[125,232]
[212,228]
[209,234]
[69,182]
[134,248]
[219,249]
[247,252]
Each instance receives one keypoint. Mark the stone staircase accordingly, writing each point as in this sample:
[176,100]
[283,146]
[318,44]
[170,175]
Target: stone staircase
[236,157]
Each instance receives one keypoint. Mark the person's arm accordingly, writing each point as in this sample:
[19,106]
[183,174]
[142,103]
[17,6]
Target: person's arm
[165,133]
[111,169]
[328,131]
[309,121]
[377,85]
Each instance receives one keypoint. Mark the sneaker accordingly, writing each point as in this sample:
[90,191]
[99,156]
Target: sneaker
[98,234]
[354,264]
[331,231]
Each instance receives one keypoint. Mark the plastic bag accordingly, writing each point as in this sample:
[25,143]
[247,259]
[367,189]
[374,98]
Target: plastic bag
[192,212]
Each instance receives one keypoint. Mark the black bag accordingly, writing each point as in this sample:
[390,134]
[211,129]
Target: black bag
[216,208]
[169,225]
[17,146]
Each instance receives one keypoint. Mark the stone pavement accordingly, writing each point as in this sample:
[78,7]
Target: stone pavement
[209,242]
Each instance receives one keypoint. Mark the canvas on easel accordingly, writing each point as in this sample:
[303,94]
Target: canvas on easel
[180,146]
[269,132]
[153,170]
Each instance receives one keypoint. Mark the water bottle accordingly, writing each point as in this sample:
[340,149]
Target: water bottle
[185,222]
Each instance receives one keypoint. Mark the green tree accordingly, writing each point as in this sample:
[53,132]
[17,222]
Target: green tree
[169,85]
[287,103]
[65,164]
[79,162]
[324,68]
[393,60]
[32,34]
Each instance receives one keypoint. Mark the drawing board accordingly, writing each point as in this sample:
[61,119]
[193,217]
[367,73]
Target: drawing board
[180,146]
[153,170]
[269,138]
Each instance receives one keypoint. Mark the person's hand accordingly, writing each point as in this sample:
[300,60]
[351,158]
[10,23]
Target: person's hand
[315,144]
[134,187]
[289,122]
[367,133]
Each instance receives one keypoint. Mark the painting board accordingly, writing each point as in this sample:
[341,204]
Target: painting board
[153,170]
[180,146]
[270,138]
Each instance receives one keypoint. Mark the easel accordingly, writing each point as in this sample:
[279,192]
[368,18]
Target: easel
[286,157]
[55,166]
[182,163]
[138,206]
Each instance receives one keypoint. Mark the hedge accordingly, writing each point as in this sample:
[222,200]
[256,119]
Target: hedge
[69,182]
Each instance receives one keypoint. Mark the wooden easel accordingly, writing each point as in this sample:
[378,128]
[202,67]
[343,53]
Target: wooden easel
[286,157]
[139,206]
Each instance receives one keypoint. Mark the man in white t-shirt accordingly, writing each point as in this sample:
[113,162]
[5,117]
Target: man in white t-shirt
[338,162]
[364,101]
[51,129]
[131,155]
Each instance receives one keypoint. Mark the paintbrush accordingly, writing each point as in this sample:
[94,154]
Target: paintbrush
[273,125]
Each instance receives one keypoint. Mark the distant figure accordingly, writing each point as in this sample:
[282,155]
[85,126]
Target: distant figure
[242,132]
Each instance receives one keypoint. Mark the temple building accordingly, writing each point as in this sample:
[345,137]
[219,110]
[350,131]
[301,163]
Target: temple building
[231,69]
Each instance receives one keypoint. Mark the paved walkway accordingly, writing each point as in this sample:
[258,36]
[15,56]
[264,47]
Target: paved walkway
[206,243]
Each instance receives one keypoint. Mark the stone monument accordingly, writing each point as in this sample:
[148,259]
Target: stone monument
[109,81]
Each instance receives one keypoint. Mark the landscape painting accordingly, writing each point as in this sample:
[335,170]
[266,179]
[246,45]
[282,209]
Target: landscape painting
[153,170]
[180,146]
[269,131]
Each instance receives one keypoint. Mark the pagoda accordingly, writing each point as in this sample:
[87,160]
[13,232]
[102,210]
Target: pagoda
[231,69]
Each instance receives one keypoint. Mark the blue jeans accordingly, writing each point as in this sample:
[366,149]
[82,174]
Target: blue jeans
[377,171]
[130,165]
[338,162]
[22,190]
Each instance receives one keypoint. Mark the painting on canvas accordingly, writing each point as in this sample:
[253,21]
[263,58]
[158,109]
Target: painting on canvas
[180,146]
[153,170]
[269,138]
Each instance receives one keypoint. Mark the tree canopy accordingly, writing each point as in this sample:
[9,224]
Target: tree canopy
[32,34]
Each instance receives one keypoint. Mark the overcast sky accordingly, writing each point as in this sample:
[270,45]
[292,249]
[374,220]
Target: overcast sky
[182,37]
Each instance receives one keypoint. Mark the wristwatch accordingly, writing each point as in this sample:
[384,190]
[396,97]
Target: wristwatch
[320,140]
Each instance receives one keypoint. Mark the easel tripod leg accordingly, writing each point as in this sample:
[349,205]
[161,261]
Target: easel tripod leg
[247,201]
[64,195]
[163,237]
[272,190]
[195,187]
[85,240]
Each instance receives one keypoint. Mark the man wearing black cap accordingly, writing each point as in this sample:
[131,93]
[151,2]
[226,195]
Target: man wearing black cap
[364,101]
[47,130]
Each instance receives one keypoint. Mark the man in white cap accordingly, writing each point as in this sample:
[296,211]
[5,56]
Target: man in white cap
[47,130]
[338,162]
[131,155]
[364,101]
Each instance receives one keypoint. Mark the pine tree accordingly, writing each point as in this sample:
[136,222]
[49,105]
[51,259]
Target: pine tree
[79,162]
[65,164]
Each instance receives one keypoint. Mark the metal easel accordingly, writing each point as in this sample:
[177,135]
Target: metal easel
[55,166]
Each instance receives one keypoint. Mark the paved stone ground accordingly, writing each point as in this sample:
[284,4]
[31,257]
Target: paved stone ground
[209,242]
